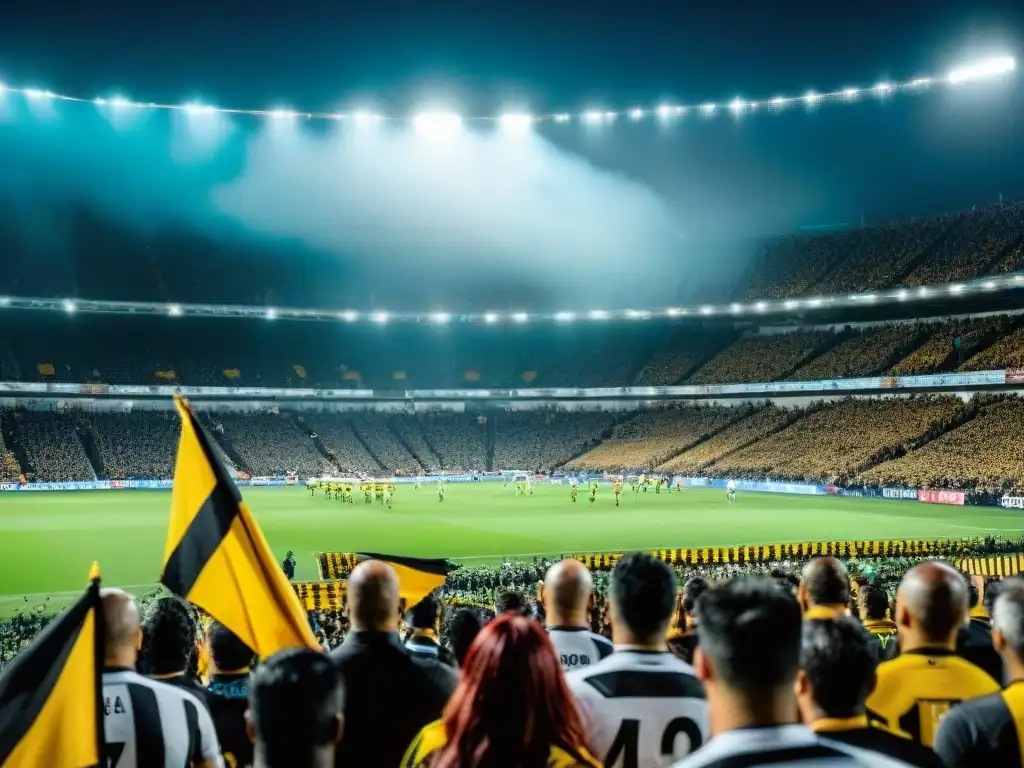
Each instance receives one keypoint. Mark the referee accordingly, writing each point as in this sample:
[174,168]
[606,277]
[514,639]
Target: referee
[146,723]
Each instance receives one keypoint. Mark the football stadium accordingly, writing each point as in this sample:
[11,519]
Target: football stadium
[519,416]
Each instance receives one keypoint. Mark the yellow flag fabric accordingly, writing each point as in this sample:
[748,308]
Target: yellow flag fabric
[168,375]
[232,373]
[300,371]
[51,694]
[45,369]
[417,577]
[216,556]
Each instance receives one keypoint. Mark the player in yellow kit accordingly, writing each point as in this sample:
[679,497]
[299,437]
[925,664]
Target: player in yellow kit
[617,490]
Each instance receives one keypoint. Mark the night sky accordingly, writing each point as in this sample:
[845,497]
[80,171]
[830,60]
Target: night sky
[717,180]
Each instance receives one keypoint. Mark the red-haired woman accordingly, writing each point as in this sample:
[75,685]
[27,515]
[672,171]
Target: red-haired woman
[512,708]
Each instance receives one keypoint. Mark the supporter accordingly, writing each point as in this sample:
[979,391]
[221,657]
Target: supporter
[543,439]
[424,619]
[512,706]
[348,452]
[739,434]
[147,722]
[510,601]
[987,731]
[683,641]
[837,672]
[824,591]
[269,444]
[375,432]
[461,628]
[568,598]
[862,352]
[761,358]
[170,645]
[390,693]
[641,705]
[974,642]
[296,699]
[993,588]
[873,604]
[52,445]
[748,654]
[919,686]
[228,692]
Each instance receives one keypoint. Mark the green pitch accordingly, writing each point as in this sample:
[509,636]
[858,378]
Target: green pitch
[49,540]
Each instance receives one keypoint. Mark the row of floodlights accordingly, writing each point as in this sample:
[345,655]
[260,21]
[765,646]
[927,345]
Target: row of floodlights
[441,123]
[381,317]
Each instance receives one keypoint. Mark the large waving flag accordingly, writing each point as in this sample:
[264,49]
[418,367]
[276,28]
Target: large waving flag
[216,556]
[51,694]
[416,577]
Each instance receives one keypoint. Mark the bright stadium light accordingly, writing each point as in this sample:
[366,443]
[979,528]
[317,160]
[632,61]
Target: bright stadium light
[199,109]
[565,317]
[779,101]
[902,295]
[4,301]
[817,302]
[437,124]
[709,108]
[35,93]
[883,88]
[707,310]
[956,288]
[562,118]
[664,111]
[120,101]
[990,285]
[520,317]
[922,291]
[490,317]
[515,123]
[736,307]
[792,304]
[636,114]
[440,317]
[271,313]
[593,117]
[363,117]
[920,82]
[282,114]
[760,306]
[999,65]
[850,93]
[737,105]
[174,310]
[673,311]
[811,98]
[597,314]
[349,315]
[69,306]
[379,317]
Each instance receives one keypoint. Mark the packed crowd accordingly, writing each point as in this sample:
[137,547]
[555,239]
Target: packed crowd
[762,358]
[550,665]
[134,444]
[758,425]
[409,430]
[373,429]
[679,355]
[1005,352]
[863,352]
[653,436]
[51,445]
[10,469]
[267,443]
[542,440]
[347,452]
[983,454]
[950,343]
[459,440]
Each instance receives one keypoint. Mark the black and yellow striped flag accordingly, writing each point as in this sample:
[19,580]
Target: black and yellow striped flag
[51,694]
[416,577]
[216,556]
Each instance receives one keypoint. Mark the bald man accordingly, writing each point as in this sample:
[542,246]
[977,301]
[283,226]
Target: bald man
[390,693]
[147,722]
[568,598]
[824,591]
[918,687]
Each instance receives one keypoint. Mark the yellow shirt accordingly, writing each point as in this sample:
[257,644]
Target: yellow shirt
[917,688]
[826,612]
[433,738]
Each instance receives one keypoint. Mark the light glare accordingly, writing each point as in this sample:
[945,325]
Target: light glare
[440,317]
[515,122]
[565,317]
[174,310]
[598,314]
[999,65]
[437,124]
[490,317]
[69,306]
[379,317]
[520,317]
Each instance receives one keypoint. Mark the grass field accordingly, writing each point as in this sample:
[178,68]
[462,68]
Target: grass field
[48,540]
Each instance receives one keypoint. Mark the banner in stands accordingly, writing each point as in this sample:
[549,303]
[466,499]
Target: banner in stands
[941,497]
[900,494]
[1012,502]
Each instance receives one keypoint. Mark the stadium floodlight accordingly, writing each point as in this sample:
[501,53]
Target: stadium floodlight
[610,116]
[707,310]
[593,117]
[515,123]
[760,306]
[709,108]
[363,117]
[99,102]
[792,304]
[811,98]
[957,288]
[120,101]
[869,297]
[35,93]
[520,317]
[998,65]
[779,101]
[736,307]
[198,109]
[922,291]
[440,317]
[1019,278]
[69,306]
[349,316]
[815,302]
[5,301]
[664,111]
[437,124]
[920,82]
[674,311]
[562,118]
[379,317]
[282,114]
[271,313]
[636,114]
[990,285]
[850,93]
[174,310]
[565,317]
[883,88]
[597,314]
[490,317]
[737,105]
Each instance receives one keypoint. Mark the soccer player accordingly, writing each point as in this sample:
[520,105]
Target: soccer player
[389,495]
[574,490]
[311,487]
[730,491]
[617,489]
[593,491]
[440,490]
[990,731]
[641,706]
[568,597]
[927,679]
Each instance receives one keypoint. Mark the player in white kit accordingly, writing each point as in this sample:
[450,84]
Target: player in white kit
[730,491]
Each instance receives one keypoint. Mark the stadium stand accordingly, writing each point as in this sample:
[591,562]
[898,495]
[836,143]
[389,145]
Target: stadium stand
[984,453]
[762,358]
[375,433]
[950,343]
[839,439]
[135,444]
[51,443]
[348,452]
[10,469]
[458,440]
[863,352]
[762,422]
[542,440]
[268,444]
[679,355]
[791,264]
[655,435]
[409,430]
[1005,352]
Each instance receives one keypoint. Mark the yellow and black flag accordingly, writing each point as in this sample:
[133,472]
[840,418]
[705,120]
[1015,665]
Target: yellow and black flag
[417,578]
[51,694]
[216,556]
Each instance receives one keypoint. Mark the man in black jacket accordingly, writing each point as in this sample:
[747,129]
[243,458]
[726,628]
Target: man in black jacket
[974,642]
[390,693]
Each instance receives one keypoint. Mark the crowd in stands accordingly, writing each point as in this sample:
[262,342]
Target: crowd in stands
[835,440]
[863,352]
[884,664]
[681,352]
[268,443]
[760,423]
[459,440]
[761,358]
[654,435]
[409,430]
[791,264]
[950,343]
[134,444]
[541,440]
[373,429]
[51,443]
[1005,352]
[983,454]
[347,451]
[10,469]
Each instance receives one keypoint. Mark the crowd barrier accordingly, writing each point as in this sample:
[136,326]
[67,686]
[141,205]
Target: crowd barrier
[763,486]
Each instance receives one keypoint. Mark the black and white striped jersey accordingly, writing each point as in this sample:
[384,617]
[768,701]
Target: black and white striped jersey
[149,724]
[640,709]
[783,746]
[578,646]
